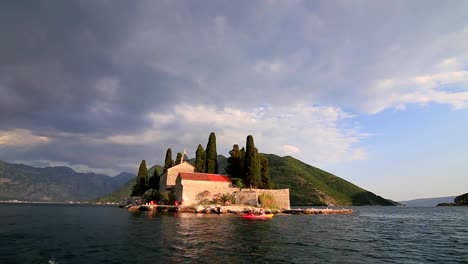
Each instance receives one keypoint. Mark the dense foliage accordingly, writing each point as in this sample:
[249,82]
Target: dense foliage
[211,165]
[264,173]
[153,182]
[178,158]
[252,176]
[248,168]
[235,163]
[168,162]
[142,181]
[200,159]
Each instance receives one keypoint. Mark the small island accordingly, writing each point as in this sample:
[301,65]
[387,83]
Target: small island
[199,188]
[461,200]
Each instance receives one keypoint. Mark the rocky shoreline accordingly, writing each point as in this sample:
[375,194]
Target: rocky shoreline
[217,209]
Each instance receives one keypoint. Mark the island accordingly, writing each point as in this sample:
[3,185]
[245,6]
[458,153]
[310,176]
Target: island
[461,200]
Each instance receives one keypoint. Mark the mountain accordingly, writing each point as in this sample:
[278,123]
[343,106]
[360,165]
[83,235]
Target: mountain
[22,182]
[307,185]
[428,201]
[125,190]
[119,194]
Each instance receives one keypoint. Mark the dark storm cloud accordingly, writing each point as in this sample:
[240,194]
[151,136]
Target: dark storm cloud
[54,54]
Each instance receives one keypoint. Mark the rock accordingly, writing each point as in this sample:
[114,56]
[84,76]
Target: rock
[200,209]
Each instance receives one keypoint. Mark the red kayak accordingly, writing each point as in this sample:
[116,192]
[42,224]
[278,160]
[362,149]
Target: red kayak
[252,216]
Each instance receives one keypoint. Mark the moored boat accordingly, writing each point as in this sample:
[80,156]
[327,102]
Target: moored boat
[253,216]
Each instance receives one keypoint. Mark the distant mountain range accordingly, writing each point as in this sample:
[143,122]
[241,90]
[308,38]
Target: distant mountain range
[23,182]
[308,185]
[428,201]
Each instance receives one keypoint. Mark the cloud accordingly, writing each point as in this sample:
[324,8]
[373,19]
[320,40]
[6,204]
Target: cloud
[320,131]
[21,138]
[111,84]
[449,88]
[290,150]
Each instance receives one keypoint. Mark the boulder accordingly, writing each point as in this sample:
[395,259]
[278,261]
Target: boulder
[200,209]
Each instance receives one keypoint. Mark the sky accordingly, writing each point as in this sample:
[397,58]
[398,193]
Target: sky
[375,92]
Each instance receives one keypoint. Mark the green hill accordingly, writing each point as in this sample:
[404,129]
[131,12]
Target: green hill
[124,191]
[118,195]
[309,185]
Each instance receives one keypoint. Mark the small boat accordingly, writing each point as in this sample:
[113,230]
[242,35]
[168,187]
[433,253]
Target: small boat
[253,216]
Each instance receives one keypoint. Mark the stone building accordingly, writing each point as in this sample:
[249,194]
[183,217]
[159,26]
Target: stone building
[167,180]
[191,187]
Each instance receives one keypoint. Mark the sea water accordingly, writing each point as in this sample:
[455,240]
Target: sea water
[47,233]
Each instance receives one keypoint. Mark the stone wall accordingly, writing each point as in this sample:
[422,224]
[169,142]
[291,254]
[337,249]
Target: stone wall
[194,192]
[168,179]
[250,196]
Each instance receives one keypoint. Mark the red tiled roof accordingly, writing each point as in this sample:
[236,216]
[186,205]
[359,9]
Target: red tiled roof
[194,176]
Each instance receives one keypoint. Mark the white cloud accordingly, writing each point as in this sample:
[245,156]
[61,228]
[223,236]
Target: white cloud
[443,88]
[290,150]
[314,134]
[21,138]
[145,138]
[450,64]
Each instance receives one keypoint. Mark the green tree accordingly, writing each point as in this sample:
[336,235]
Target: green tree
[235,162]
[154,180]
[141,184]
[168,162]
[143,171]
[139,188]
[252,175]
[178,158]
[200,159]
[211,165]
[264,172]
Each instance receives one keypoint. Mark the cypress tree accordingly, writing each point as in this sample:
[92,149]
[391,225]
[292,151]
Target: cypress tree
[234,167]
[251,164]
[178,158]
[264,172]
[143,171]
[154,180]
[211,165]
[168,161]
[141,184]
[200,159]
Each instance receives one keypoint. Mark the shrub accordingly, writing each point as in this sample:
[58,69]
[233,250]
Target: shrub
[203,197]
[151,194]
[237,182]
[228,199]
[267,200]
[166,197]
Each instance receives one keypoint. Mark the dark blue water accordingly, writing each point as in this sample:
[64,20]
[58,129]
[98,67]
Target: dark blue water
[100,234]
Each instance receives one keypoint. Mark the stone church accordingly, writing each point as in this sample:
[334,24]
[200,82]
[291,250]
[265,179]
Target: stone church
[188,186]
